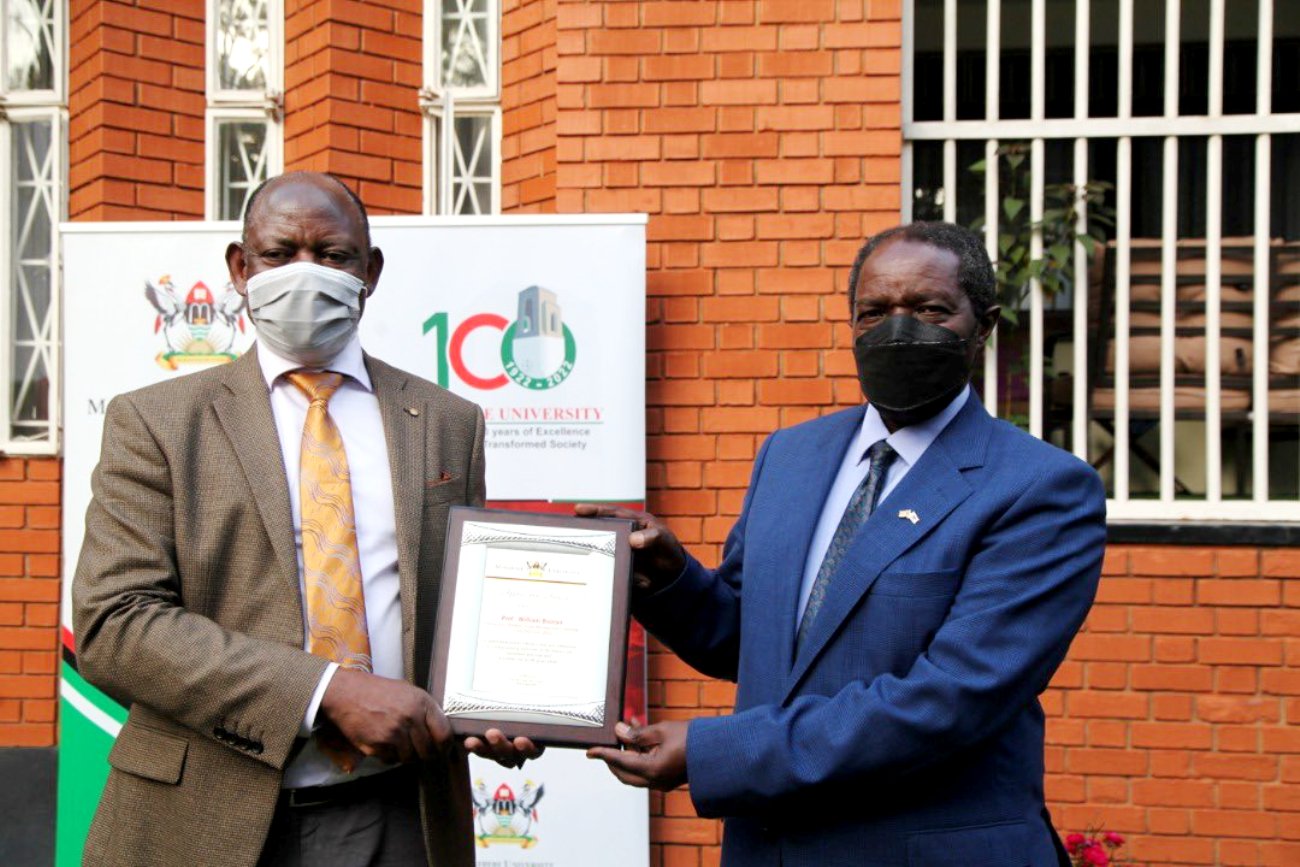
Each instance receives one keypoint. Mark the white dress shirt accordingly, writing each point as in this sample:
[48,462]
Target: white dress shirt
[355,411]
[909,442]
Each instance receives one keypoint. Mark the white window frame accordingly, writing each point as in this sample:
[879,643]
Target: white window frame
[439,104]
[248,105]
[1123,128]
[491,90]
[19,107]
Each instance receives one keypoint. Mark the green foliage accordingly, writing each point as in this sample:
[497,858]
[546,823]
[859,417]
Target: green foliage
[1016,266]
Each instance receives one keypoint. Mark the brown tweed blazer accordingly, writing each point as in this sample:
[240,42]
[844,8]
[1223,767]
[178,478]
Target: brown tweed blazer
[187,608]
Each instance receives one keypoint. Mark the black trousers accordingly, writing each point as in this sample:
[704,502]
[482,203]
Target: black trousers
[374,824]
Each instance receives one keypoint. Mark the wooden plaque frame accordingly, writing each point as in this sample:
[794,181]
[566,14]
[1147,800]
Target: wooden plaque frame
[543,733]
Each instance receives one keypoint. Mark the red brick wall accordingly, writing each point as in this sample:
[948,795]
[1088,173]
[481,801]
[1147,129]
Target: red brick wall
[763,139]
[352,73]
[1174,719]
[528,107]
[29,601]
[135,110]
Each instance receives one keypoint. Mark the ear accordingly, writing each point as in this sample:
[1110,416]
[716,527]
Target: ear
[988,322]
[373,270]
[237,265]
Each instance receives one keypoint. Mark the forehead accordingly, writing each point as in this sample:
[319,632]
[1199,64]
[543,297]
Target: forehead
[904,262]
[306,205]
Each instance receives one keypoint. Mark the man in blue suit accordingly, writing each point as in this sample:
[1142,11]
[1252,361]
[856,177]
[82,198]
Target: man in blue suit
[902,582]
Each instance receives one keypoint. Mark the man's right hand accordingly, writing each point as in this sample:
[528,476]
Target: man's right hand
[657,557]
[389,719]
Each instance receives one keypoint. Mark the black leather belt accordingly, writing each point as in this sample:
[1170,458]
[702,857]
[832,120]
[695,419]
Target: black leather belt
[385,784]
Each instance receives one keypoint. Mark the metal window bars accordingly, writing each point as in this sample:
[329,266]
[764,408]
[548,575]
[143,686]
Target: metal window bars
[460,101]
[244,137]
[1112,134]
[33,142]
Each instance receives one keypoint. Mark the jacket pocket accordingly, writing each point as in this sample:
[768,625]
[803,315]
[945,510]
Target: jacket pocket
[925,584]
[149,753]
[452,491]
[1005,844]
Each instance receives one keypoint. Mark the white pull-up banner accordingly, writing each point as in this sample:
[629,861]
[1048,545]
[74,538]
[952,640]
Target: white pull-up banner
[539,320]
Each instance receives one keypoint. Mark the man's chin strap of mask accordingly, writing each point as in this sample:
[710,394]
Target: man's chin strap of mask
[911,369]
[305,312]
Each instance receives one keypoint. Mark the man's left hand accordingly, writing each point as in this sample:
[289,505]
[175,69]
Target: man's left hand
[655,757]
[508,753]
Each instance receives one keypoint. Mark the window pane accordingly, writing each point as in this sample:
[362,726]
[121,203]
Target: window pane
[1286,58]
[1103,58]
[972,49]
[471,188]
[1017,28]
[1240,57]
[927,181]
[32,215]
[243,42]
[1058,63]
[29,32]
[1284,347]
[927,62]
[466,50]
[1149,60]
[1194,64]
[241,163]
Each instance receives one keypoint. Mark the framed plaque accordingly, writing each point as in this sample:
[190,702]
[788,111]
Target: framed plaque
[532,625]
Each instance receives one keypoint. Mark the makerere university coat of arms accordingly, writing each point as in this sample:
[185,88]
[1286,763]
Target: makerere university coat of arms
[503,818]
[201,328]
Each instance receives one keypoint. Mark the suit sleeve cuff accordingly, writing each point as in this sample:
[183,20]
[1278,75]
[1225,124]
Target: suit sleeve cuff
[309,719]
[666,602]
[707,738]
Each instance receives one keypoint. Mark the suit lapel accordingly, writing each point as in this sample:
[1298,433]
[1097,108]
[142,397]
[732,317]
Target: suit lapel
[245,416]
[931,489]
[807,477]
[404,431]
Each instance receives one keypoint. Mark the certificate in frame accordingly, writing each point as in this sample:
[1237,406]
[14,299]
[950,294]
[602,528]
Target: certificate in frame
[532,625]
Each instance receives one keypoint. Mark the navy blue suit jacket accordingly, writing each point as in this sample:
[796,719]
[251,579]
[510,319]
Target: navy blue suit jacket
[907,730]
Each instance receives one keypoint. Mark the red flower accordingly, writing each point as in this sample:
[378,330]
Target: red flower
[1073,842]
[1096,855]
[1114,840]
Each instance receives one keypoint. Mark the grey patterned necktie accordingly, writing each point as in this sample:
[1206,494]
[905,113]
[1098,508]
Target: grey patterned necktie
[860,507]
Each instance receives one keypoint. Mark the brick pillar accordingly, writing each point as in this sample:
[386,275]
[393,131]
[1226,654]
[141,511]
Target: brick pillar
[352,78]
[29,601]
[528,105]
[764,140]
[135,110]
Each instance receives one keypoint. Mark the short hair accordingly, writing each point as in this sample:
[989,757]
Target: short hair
[974,270]
[352,196]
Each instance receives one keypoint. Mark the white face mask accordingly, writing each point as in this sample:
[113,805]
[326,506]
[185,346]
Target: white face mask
[305,312]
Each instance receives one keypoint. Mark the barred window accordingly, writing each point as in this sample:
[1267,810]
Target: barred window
[1135,169]
[461,103]
[33,141]
[244,131]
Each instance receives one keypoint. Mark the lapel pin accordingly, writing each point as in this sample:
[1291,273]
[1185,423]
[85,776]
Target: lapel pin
[414,411]
[910,515]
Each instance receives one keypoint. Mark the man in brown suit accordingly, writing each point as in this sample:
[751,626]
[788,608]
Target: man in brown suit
[192,605]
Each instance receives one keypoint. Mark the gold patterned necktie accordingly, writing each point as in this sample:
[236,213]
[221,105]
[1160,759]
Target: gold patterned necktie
[336,606]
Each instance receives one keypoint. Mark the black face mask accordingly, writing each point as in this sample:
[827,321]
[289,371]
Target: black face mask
[911,369]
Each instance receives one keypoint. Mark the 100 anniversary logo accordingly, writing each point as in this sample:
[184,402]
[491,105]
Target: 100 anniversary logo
[538,350]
